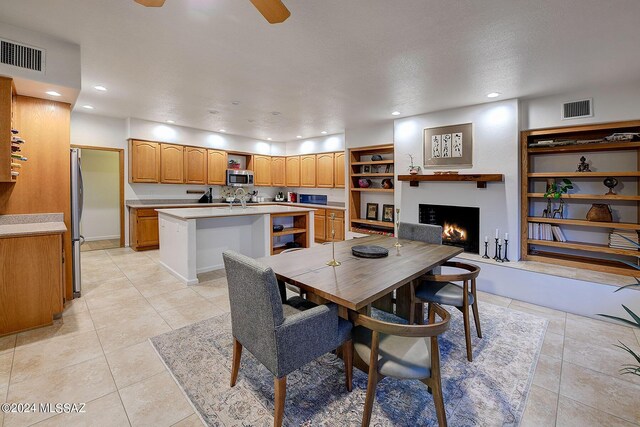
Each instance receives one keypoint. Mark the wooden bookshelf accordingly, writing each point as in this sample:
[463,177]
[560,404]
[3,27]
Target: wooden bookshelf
[587,255]
[7,100]
[299,231]
[358,159]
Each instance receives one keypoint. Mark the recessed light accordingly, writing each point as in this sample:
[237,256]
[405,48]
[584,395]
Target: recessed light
[171,121]
[52,93]
[324,132]
[88,107]
[222,130]
[100,88]
[395,113]
[493,95]
[214,111]
[299,136]
[236,102]
[276,113]
[269,139]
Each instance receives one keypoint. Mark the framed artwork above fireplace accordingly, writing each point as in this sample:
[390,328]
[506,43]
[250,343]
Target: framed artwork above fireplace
[448,146]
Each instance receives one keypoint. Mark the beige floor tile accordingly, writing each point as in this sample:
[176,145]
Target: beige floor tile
[129,311]
[6,361]
[156,401]
[541,408]
[546,310]
[553,345]
[547,373]
[75,306]
[156,287]
[637,332]
[176,299]
[132,364]
[605,359]
[106,411]
[596,331]
[212,290]
[105,287]
[107,271]
[114,299]
[146,272]
[121,252]
[191,421]
[8,343]
[493,299]
[609,394]
[3,399]
[212,275]
[67,325]
[186,315]
[557,321]
[128,334]
[574,414]
[36,359]
[79,383]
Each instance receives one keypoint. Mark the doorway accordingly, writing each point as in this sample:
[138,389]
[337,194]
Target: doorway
[102,222]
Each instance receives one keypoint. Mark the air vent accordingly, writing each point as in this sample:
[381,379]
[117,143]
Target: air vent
[21,55]
[577,109]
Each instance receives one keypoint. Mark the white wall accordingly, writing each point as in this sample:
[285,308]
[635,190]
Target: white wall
[101,177]
[323,144]
[379,133]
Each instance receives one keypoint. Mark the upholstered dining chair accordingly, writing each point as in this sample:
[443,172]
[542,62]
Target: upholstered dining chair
[281,337]
[441,289]
[403,352]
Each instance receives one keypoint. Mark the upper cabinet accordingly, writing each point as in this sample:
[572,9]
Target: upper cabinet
[308,170]
[278,171]
[216,167]
[144,162]
[195,165]
[293,171]
[171,164]
[262,170]
[339,170]
[324,167]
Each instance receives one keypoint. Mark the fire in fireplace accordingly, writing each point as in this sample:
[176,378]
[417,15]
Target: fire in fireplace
[460,224]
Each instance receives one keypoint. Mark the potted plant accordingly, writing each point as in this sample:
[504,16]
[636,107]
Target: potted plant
[413,169]
[555,191]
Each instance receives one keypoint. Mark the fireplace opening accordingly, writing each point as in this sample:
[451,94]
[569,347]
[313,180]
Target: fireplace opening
[460,224]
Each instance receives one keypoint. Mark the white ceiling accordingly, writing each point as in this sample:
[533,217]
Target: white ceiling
[334,63]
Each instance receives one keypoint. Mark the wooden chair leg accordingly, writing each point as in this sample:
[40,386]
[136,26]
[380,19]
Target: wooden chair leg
[412,312]
[420,313]
[371,395]
[280,388]
[235,361]
[467,332]
[438,401]
[431,313]
[476,317]
[347,355]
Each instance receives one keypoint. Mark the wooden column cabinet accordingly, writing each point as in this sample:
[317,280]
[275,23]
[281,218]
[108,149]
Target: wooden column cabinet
[144,162]
[325,170]
[338,171]
[7,99]
[278,171]
[262,170]
[308,170]
[195,165]
[319,226]
[216,167]
[143,229]
[171,164]
[338,225]
[293,171]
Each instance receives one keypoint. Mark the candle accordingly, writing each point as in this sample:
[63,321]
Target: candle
[497,233]
[506,236]
[486,238]
[499,241]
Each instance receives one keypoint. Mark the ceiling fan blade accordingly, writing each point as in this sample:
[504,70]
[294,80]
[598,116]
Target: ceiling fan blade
[150,3]
[273,10]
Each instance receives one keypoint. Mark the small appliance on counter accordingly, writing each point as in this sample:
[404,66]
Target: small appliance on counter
[314,199]
[207,197]
[279,197]
[292,197]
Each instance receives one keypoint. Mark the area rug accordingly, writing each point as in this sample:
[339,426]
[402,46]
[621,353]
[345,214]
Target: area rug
[490,391]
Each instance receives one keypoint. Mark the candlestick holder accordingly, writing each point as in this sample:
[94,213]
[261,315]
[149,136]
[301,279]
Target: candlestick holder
[398,245]
[333,262]
[486,248]
[506,248]
[495,257]
[499,253]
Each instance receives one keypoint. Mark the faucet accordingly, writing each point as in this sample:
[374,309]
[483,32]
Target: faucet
[241,194]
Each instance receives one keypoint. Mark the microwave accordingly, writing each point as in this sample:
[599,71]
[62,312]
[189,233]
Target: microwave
[239,178]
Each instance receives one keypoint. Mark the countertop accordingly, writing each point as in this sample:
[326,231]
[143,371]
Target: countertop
[224,211]
[167,205]
[31,225]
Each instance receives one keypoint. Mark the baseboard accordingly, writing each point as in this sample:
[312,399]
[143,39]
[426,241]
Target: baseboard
[178,275]
[209,268]
[94,239]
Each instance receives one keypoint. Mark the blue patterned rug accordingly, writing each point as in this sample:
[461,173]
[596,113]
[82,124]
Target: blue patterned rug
[490,391]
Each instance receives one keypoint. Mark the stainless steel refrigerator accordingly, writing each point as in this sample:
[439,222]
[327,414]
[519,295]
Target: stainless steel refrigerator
[76,215]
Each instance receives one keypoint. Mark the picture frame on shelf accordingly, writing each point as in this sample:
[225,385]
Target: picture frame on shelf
[372,211]
[388,213]
[448,146]
[366,169]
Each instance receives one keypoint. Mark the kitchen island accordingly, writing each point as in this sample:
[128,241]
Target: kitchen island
[192,240]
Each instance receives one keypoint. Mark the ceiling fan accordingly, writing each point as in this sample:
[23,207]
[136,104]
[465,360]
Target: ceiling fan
[273,11]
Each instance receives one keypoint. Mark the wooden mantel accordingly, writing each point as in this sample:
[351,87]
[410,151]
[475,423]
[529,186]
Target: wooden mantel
[480,179]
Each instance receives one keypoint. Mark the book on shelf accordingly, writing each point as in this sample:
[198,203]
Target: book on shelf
[624,239]
[538,231]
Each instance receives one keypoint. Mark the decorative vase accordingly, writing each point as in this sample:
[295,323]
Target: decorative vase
[414,170]
[610,183]
[387,183]
[600,212]
[376,158]
[364,183]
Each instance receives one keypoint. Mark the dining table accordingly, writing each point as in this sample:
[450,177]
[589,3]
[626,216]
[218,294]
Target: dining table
[359,283]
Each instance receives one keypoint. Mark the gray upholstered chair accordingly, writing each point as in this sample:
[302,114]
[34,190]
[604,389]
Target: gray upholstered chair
[281,337]
[403,352]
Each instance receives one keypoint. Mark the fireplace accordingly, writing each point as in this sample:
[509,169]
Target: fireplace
[460,224]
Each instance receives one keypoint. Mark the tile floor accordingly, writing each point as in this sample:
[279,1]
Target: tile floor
[97,245]
[99,354]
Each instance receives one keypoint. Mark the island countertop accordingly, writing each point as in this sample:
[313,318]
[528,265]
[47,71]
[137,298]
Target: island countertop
[224,211]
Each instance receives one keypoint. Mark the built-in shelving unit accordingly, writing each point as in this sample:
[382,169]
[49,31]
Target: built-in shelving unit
[359,160]
[9,166]
[543,164]
[296,225]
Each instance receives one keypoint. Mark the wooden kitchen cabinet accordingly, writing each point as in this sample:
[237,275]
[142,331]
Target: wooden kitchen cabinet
[171,164]
[143,229]
[338,225]
[144,162]
[293,171]
[216,167]
[195,165]
[319,226]
[338,171]
[262,170]
[325,170]
[278,171]
[308,170]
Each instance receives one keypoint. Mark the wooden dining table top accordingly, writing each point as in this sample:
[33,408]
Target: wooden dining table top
[358,282]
